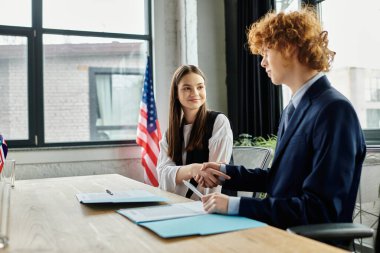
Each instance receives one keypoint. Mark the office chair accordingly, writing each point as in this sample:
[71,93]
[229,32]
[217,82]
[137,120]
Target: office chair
[345,231]
[338,234]
[252,157]
[249,157]
[334,232]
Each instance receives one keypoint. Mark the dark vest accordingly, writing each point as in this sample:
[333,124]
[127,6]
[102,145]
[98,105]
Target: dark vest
[199,155]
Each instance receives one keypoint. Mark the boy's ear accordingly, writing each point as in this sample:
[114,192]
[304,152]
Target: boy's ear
[291,54]
[291,51]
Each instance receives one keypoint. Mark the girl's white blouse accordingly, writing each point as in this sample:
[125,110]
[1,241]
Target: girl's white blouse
[220,147]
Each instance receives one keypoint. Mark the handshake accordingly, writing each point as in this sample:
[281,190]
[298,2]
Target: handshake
[208,175]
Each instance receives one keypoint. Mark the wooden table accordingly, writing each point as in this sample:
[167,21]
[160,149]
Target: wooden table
[47,217]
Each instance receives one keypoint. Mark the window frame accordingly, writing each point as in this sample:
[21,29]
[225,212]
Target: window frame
[34,35]
[94,106]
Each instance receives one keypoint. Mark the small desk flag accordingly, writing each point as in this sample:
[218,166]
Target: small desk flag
[3,152]
[148,130]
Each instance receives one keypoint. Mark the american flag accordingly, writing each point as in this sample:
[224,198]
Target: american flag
[148,131]
[3,152]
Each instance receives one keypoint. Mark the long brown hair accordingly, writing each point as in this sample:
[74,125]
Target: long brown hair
[173,135]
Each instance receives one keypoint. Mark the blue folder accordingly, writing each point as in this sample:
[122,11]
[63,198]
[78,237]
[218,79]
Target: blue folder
[200,225]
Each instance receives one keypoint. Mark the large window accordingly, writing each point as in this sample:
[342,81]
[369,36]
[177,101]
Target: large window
[71,72]
[356,67]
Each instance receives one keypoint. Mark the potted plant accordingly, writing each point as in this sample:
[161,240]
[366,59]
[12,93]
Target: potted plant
[246,140]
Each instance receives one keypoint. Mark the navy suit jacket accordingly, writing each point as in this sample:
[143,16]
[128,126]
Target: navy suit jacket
[316,169]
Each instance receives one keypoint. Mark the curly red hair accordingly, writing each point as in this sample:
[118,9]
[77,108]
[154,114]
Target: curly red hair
[298,29]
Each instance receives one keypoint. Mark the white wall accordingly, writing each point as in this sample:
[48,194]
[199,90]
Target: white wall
[212,52]
[165,54]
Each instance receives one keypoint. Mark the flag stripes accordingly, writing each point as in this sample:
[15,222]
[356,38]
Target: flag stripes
[148,130]
[3,152]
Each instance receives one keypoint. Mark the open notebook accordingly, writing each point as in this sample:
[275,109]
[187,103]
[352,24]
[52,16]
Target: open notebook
[184,219]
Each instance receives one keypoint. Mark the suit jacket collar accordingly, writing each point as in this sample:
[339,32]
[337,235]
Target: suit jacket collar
[321,85]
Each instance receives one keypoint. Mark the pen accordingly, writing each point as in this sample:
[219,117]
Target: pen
[191,187]
[109,192]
